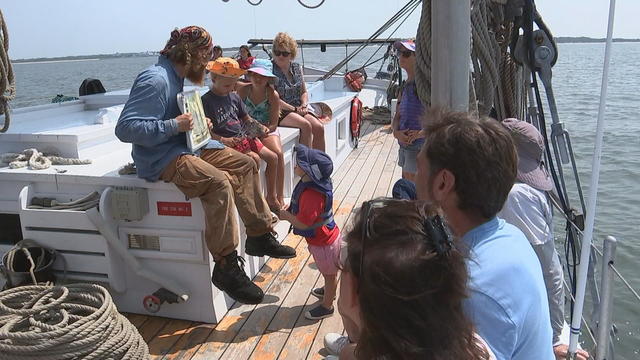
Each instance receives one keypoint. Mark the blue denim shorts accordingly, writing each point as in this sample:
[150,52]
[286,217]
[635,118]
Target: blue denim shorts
[407,155]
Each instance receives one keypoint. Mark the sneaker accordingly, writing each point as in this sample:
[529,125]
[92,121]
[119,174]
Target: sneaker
[334,342]
[268,245]
[331,357]
[229,276]
[318,312]
[318,292]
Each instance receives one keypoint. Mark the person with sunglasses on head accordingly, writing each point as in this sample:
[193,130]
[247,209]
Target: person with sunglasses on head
[221,177]
[467,167]
[294,98]
[263,104]
[407,282]
[406,123]
[310,214]
[528,207]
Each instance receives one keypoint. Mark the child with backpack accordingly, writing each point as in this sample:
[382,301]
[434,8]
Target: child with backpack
[310,214]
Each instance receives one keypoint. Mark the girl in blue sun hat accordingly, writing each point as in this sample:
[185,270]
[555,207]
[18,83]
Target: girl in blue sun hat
[263,104]
[310,214]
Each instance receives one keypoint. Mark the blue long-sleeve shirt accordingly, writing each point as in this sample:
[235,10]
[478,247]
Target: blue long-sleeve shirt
[148,119]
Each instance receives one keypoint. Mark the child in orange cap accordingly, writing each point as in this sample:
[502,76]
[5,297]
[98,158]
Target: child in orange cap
[231,120]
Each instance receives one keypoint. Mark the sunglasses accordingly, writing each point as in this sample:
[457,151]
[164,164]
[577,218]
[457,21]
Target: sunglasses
[405,54]
[366,226]
[434,227]
[281,53]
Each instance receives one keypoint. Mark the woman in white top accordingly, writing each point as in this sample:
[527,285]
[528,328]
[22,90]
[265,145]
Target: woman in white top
[528,207]
[407,282]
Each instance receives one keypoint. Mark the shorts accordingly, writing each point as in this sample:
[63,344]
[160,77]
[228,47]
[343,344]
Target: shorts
[407,156]
[248,144]
[327,257]
[283,114]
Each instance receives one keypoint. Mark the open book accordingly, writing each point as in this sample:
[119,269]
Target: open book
[190,102]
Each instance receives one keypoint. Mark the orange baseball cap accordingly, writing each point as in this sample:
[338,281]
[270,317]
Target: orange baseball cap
[225,66]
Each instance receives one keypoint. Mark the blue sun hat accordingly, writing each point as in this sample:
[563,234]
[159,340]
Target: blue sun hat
[316,164]
[263,67]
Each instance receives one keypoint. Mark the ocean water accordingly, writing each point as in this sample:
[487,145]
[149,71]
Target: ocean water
[576,79]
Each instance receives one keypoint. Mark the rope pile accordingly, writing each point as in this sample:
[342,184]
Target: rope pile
[65,322]
[82,204]
[7,81]
[423,55]
[36,160]
[497,81]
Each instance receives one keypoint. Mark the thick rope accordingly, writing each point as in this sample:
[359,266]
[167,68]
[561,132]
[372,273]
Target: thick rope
[36,160]
[496,80]
[7,80]
[65,322]
[423,55]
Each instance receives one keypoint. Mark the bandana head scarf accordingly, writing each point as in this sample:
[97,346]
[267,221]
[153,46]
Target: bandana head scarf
[190,39]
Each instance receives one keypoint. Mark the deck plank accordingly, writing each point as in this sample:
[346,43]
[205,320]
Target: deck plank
[221,336]
[164,340]
[251,331]
[384,183]
[152,326]
[272,342]
[136,319]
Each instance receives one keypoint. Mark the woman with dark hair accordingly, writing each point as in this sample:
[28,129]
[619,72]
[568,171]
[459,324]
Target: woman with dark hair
[217,52]
[407,282]
[244,58]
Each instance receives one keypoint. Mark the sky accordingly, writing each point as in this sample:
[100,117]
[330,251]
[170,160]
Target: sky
[45,28]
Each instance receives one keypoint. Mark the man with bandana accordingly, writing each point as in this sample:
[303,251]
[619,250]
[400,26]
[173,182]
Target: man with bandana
[219,176]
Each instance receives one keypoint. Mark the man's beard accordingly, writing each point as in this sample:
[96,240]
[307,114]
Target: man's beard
[195,74]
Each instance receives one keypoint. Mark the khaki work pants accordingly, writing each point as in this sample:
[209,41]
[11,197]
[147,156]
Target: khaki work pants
[221,179]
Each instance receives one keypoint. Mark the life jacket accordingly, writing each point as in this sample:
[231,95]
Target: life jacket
[326,216]
[355,79]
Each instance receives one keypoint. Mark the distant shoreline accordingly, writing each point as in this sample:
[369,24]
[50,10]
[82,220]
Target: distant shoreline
[559,39]
[587,40]
[53,61]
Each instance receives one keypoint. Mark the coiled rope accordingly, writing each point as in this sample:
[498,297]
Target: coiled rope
[36,160]
[65,322]
[7,81]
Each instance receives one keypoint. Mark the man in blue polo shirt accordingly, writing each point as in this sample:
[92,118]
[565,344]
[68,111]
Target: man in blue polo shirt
[467,166]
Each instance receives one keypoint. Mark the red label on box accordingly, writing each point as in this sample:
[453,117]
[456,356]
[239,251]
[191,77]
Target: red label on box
[174,208]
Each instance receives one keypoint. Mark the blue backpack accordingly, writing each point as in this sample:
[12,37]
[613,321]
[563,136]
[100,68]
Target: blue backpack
[326,216]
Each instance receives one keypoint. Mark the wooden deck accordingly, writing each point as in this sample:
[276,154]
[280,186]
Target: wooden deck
[277,329]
